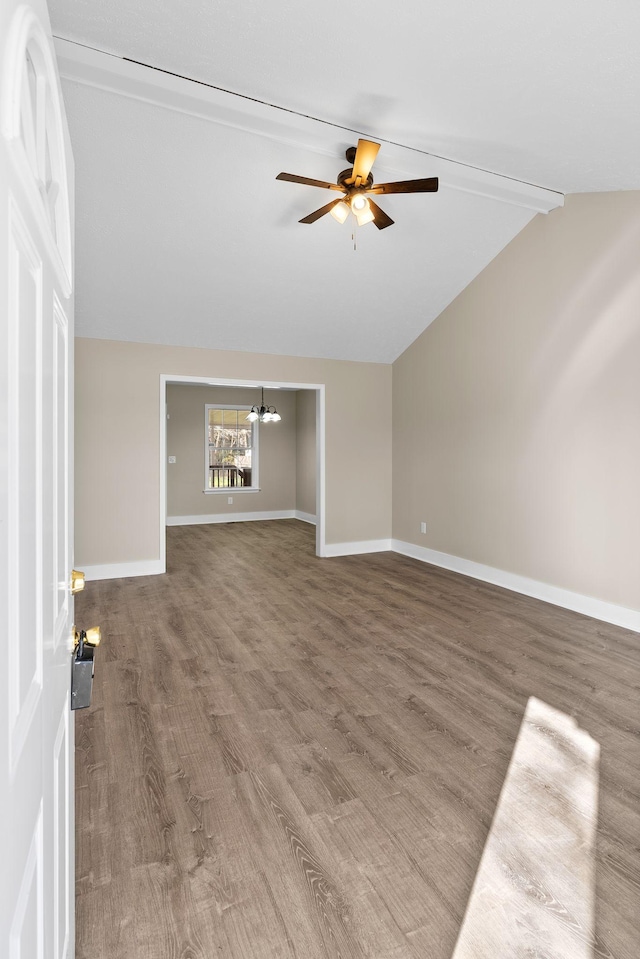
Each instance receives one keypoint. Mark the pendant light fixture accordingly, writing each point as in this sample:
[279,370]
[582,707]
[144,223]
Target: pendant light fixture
[265,414]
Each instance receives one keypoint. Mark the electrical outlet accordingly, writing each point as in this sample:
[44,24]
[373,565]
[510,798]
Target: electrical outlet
[229,500]
[172,459]
[423,527]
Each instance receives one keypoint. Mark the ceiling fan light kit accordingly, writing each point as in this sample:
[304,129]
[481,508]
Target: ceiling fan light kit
[356,184]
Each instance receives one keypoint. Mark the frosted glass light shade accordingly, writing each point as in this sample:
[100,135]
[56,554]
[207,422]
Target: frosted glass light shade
[340,211]
[366,216]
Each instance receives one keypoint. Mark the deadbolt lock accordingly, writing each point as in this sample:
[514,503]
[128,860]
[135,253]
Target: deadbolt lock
[77,581]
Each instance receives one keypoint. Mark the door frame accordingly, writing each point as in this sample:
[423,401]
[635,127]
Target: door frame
[167,379]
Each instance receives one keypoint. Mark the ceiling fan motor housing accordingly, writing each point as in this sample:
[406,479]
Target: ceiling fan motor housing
[350,154]
[346,174]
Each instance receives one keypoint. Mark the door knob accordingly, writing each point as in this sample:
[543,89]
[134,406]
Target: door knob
[77,581]
[90,637]
[93,636]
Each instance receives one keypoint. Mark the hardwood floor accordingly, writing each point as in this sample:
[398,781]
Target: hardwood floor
[293,757]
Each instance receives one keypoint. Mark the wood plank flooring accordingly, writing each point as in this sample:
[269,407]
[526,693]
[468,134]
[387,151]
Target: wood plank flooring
[294,757]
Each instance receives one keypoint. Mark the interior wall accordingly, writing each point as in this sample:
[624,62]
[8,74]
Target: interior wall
[185,441]
[306,452]
[117,440]
[517,413]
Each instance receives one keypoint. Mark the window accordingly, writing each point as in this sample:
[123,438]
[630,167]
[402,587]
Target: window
[231,449]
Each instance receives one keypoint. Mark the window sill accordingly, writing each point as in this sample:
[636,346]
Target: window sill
[232,490]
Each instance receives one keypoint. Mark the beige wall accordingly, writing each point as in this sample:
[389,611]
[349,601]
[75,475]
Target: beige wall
[306,451]
[117,477]
[185,441]
[517,413]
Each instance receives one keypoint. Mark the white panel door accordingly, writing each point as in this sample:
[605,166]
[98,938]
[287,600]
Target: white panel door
[36,607]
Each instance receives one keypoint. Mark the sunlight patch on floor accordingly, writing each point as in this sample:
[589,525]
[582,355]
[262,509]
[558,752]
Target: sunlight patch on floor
[534,891]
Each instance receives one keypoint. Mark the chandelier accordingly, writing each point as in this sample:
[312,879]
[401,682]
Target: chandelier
[266,414]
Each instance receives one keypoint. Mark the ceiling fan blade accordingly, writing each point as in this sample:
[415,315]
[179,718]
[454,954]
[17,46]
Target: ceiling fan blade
[426,185]
[294,178]
[380,218]
[318,213]
[366,153]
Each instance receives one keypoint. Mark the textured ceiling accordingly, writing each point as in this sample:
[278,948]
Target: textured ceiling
[183,234]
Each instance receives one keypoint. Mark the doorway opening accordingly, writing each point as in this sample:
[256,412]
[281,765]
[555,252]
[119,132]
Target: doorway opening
[224,510]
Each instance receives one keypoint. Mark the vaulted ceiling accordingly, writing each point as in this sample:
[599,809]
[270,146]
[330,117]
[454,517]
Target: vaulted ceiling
[183,234]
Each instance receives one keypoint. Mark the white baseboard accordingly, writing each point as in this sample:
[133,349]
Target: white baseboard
[144,567]
[305,517]
[351,549]
[230,517]
[153,567]
[587,605]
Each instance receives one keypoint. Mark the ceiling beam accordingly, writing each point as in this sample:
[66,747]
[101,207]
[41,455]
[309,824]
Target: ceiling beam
[84,65]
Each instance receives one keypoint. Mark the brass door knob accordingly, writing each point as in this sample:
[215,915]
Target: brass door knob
[77,581]
[93,636]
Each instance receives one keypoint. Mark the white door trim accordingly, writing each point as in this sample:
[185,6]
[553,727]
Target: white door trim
[167,378]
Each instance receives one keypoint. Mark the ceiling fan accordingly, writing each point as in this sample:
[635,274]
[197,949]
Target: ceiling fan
[356,186]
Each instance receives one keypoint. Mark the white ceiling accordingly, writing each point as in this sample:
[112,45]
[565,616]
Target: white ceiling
[183,234]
